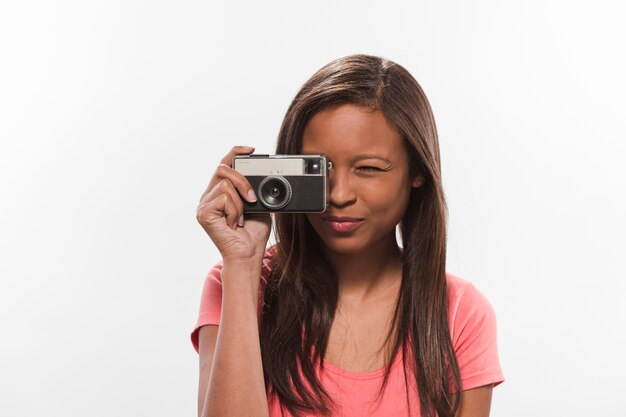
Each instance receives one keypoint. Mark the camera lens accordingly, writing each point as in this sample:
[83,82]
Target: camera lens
[275,192]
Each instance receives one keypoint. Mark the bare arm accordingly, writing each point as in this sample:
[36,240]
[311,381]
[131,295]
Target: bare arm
[475,402]
[231,371]
[207,336]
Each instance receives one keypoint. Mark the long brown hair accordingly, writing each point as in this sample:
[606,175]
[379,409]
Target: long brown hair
[302,292]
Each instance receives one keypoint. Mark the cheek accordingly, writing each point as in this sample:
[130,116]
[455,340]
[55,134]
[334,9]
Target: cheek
[390,208]
[386,194]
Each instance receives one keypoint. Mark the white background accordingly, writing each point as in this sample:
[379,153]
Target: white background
[114,115]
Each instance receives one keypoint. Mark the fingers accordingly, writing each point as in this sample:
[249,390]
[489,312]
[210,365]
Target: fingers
[223,204]
[236,150]
[226,189]
[224,170]
[240,182]
[233,204]
[236,183]
[229,205]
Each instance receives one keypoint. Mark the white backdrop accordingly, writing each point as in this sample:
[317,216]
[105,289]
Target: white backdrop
[114,115]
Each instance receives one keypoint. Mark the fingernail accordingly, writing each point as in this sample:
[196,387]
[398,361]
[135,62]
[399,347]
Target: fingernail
[241,221]
[251,196]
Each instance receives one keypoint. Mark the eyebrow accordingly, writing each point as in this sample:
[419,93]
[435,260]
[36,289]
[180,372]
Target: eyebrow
[370,156]
[359,157]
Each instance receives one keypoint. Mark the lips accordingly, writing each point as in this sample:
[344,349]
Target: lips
[342,224]
[341,219]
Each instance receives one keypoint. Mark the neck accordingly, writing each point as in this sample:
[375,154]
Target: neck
[369,274]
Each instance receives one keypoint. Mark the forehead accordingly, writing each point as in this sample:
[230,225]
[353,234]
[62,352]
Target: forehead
[348,130]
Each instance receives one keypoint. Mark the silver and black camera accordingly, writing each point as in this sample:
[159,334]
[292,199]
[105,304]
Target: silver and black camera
[285,183]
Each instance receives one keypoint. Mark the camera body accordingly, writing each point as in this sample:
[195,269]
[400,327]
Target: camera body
[285,183]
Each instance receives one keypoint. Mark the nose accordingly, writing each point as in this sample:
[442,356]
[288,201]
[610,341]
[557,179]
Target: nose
[340,193]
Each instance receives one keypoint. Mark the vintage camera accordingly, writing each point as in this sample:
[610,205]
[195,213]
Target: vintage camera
[285,183]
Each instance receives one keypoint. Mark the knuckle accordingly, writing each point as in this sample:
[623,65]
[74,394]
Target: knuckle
[223,183]
[201,212]
[242,183]
[239,205]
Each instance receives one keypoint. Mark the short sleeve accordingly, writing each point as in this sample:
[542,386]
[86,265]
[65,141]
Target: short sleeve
[211,298]
[474,336]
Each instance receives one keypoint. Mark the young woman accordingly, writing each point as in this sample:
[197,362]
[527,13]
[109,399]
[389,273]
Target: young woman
[337,318]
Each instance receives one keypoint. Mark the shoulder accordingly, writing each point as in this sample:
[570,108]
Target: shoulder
[473,331]
[467,304]
[462,292]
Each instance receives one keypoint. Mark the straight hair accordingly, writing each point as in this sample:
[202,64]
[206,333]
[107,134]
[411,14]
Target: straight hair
[301,295]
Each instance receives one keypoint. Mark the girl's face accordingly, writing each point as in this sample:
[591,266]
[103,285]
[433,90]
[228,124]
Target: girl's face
[370,175]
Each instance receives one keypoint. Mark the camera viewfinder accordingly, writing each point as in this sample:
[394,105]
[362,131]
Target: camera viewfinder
[313,166]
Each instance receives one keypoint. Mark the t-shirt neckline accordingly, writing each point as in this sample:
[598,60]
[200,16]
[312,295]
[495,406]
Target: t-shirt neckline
[362,375]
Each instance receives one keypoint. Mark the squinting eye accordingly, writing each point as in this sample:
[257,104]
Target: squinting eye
[370,168]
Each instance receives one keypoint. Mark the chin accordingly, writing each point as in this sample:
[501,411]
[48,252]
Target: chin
[343,244]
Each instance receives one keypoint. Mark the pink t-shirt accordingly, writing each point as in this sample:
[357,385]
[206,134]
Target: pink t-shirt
[472,323]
